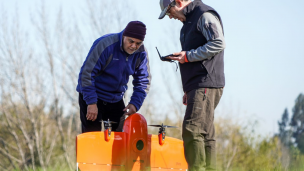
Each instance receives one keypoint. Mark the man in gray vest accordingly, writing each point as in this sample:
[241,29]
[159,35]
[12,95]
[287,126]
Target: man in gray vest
[202,70]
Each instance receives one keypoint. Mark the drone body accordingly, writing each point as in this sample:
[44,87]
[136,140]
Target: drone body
[134,149]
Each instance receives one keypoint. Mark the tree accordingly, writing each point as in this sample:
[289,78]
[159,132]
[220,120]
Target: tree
[297,122]
[284,131]
[240,148]
[39,116]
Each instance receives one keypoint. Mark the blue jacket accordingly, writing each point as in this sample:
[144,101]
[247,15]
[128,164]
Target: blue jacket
[105,72]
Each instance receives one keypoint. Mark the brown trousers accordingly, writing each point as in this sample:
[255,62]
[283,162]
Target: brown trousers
[198,128]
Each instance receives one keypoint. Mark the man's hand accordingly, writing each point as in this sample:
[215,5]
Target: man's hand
[185,99]
[92,112]
[180,58]
[132,109]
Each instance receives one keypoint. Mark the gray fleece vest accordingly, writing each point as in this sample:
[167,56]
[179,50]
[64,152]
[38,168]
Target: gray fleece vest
[202,74]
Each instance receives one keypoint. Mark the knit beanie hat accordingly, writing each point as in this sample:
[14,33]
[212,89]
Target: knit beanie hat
[135,29]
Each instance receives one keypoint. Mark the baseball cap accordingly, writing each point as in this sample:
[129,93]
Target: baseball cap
[164,5]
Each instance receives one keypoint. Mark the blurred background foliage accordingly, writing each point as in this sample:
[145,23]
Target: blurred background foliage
[39,116]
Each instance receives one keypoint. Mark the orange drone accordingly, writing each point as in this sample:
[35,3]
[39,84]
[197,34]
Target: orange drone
[133,149]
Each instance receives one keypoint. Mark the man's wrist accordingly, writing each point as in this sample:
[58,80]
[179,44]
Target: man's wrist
[93,103]
[134,106]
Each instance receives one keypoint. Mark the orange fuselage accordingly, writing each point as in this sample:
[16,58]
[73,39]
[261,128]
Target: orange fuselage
[133,149]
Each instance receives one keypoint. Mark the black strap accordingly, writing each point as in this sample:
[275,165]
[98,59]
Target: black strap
[121,123]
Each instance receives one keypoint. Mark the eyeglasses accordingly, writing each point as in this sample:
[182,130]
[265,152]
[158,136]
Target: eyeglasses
[172,4]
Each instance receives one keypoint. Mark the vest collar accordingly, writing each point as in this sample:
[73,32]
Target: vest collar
[190,7]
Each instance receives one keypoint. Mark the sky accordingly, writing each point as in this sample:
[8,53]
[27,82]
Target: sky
[264,64]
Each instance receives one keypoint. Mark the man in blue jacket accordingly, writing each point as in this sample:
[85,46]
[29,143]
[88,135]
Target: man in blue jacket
[104,76]
[202,70]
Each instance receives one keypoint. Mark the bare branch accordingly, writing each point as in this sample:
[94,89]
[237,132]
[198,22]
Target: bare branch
[231,158]
[10,156]
[50,151]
